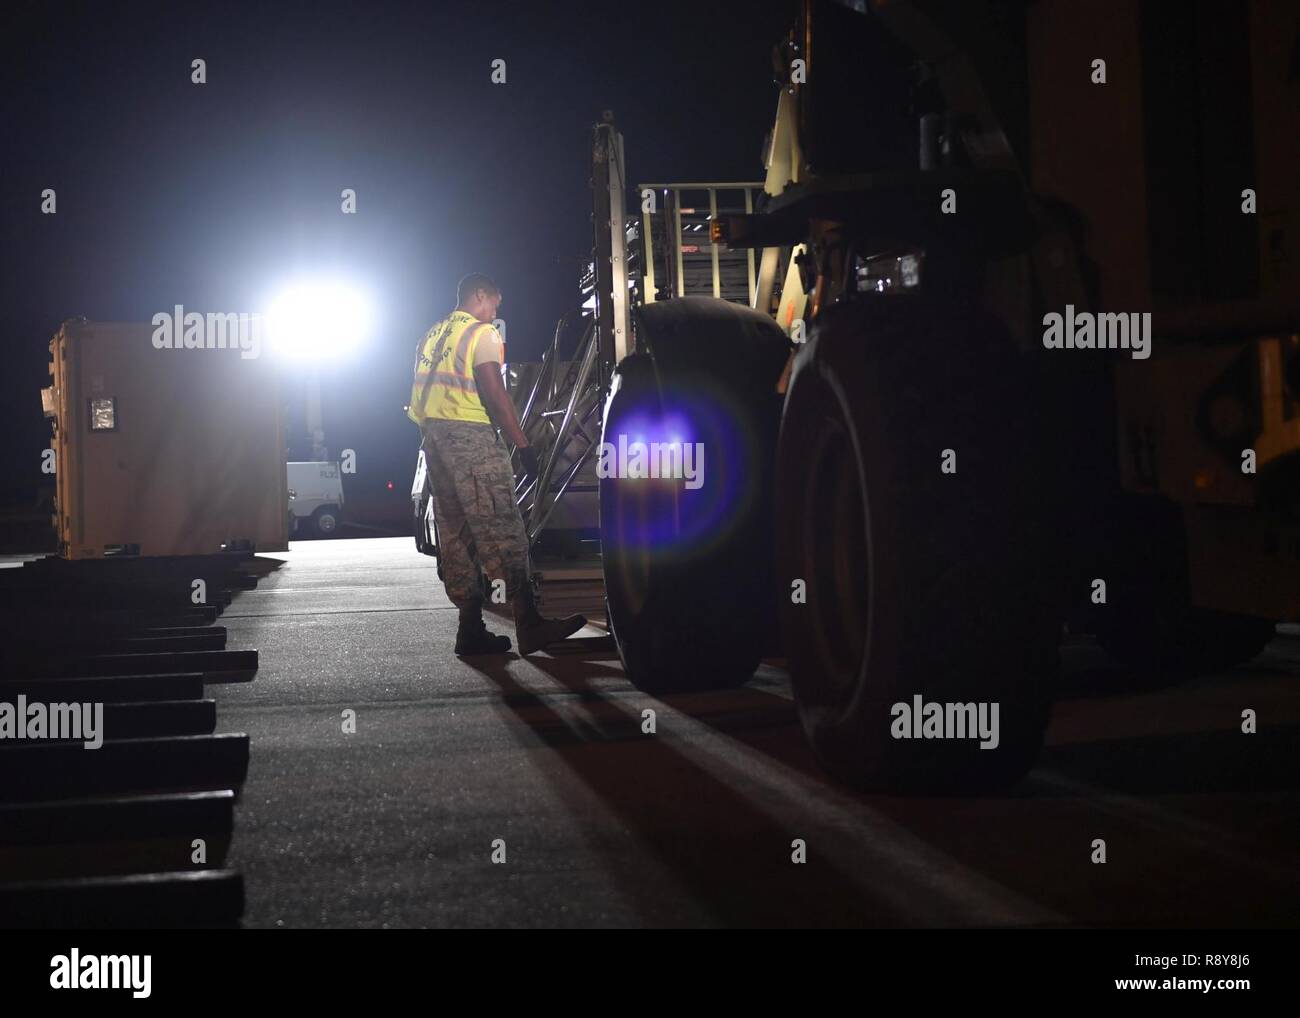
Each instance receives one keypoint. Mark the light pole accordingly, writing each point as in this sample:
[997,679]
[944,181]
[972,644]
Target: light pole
[315,426]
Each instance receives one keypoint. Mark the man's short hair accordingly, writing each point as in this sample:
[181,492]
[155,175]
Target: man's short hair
[472,283]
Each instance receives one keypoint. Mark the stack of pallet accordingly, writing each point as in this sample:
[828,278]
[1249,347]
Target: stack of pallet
[116,793]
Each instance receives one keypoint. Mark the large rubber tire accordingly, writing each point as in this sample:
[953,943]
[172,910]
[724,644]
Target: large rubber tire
[918,582]
[688,573]
[1147,623]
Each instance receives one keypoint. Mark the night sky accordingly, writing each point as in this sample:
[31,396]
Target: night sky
[214,196]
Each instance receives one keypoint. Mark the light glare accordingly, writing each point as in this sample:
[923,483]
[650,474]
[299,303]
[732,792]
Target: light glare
[318,321]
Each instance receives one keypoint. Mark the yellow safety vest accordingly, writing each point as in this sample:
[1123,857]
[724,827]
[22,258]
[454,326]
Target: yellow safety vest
[446,391]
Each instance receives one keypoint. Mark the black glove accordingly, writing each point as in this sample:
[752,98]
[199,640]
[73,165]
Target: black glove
[528,461]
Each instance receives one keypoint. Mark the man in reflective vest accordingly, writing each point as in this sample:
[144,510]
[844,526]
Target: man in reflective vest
[456,398]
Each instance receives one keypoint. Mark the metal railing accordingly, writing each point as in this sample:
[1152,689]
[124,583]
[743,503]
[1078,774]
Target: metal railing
[672,213]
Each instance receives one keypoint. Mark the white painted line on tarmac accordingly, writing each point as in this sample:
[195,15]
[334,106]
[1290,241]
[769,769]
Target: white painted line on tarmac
[881,857]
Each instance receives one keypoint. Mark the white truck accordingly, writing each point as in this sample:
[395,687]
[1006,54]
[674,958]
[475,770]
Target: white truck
[315,497]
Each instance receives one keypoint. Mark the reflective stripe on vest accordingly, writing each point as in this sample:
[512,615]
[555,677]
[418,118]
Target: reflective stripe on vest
[446,390]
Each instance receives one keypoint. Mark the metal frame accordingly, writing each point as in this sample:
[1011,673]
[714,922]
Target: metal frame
[562,418]
[609,265]
[673,213]
[561,415]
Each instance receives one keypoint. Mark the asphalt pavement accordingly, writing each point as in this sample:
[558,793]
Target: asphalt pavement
[544,764]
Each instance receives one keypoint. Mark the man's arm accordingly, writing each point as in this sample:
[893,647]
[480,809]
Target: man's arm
[499,405]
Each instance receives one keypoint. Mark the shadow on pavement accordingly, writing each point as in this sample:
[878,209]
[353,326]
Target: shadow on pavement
[733,855]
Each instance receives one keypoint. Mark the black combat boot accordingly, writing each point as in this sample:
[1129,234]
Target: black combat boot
[534,632]
[472,636]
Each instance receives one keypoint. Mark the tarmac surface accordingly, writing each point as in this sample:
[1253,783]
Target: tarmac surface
[603,825]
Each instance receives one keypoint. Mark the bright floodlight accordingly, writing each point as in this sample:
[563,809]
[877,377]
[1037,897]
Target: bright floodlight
[318,321]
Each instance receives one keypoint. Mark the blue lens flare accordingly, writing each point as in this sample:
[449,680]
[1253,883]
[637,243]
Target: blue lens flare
[717,467]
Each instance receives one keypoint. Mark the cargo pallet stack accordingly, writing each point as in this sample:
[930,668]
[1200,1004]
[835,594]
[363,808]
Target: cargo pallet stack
[108,837]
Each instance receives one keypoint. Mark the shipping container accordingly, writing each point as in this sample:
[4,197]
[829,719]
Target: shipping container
[164,450]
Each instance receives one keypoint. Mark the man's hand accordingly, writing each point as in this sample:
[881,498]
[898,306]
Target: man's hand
[528,460]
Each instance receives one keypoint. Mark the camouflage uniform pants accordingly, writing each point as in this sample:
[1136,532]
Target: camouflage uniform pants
[479,525]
